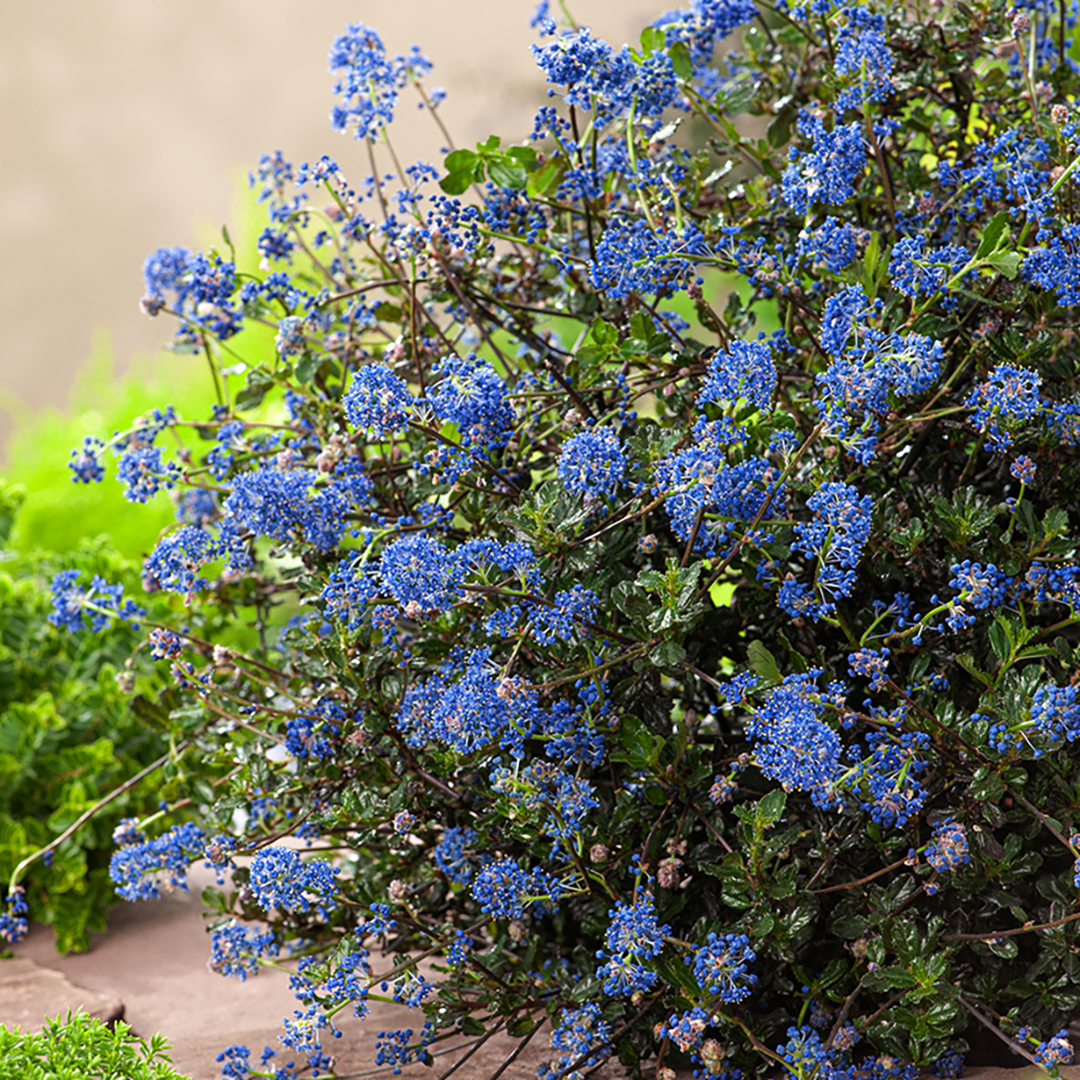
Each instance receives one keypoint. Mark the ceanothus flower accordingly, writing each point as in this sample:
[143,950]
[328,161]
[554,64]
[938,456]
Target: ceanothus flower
[101,603]
[634,936]
[1010,395]
[280,879]
[593,463]
[721,967]
[505,891]
[828,173]
[421,574]
[378,400]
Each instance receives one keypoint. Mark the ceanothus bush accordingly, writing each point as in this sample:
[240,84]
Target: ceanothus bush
[641,567]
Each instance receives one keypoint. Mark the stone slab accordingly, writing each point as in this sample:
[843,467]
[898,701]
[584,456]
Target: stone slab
[30,994]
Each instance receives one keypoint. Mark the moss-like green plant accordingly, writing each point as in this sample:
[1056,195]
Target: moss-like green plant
[83,1048]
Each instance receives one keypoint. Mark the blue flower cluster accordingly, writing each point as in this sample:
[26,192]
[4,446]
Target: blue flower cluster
[505,891]
[632,258]
[721,967]
[1009,397]
[592,464]
[377,400]
[794,745]
[14,923]
[830,172]
[949,850]
[202,291]
[101,603]
[281,879]
[140,868]
[745,370]
[235,950]
[368,80]
[581,1036]
[633,938]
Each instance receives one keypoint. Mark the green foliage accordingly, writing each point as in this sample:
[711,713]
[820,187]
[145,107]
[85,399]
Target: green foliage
[68,736]
[56,514]
[83,1048]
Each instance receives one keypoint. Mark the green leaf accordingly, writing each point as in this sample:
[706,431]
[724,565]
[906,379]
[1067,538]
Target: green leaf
[462,167]
[996,230]
[520,1026]
[636,740]
[770,807]
[890,978]
[652,40]
[988,787]
[525,156]
[1000,639]
[460,159]
[254,389]
[456,182]
[679,55]
[763,663]
[667,654]
[546,177]
[471,1026]
[308,367]
[507,173]
[1005,262]
[967,662]
[1006,948]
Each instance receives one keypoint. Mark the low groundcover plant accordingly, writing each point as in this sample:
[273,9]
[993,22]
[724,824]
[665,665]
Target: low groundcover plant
[82,1047]
[654,545]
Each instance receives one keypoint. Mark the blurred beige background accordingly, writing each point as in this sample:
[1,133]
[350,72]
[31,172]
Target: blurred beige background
[126,124]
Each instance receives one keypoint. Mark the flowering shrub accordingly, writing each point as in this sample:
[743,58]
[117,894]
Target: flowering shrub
[659,552]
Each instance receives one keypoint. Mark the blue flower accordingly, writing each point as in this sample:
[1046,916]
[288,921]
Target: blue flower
[85,463]
[916,271]
[504,891]
[829,173]
[983,587]
[378,400]
[235,1062]
[634,936]
[235,950]
[862,53]
[452,854]
[14,924]
[421,575]
[143,473]
[631,258]
[949,851]
[101,602]
[745,370]
[175,562]
[368,82]
[582,1036]
[704,23]
[137,869]
[280,879]
[568,610]
[793,745]
[721,967]
[470,394]
[593,463]
[834,244]
[1055,712]
[1009,396]
[841,317]
[291,339]
[886,779]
